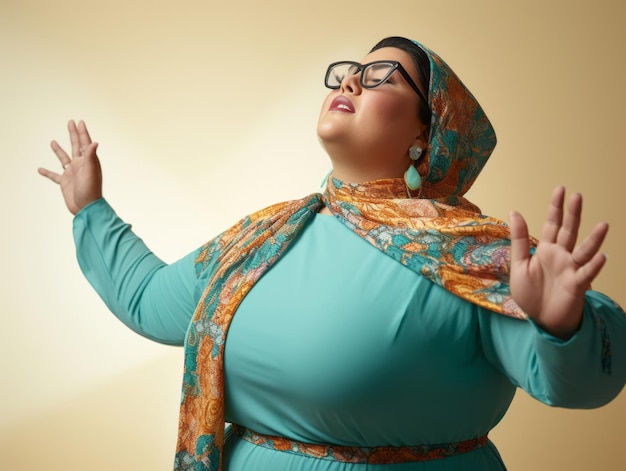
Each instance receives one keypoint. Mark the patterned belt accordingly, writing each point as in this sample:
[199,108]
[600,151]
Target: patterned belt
[353,454]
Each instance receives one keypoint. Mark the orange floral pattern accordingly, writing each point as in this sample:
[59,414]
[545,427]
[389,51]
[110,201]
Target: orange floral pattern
[446,240]
[353,454]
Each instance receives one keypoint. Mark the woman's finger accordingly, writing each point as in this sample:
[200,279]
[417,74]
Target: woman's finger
[84,139]
[50,175]
[74,139]
[520,245]
[555,215]
[89,153]
[590,247]
[61,154]
[587,273]
[568,233]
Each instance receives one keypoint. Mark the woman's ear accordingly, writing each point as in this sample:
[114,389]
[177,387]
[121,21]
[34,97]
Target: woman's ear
[421,135]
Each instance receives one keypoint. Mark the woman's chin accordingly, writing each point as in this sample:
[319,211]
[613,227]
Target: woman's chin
[331,129]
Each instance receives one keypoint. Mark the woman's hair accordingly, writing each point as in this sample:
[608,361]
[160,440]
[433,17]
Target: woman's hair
[422,65]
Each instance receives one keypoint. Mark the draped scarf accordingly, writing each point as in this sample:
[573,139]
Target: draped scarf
[454,246]
[439,235]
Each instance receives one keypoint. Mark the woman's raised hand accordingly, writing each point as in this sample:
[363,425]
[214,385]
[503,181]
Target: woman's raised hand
[81,177]
[550,285]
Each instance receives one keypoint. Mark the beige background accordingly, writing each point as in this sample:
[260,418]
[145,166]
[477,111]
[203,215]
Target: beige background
[205,111]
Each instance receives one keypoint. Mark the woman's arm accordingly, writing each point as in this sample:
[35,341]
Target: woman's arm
[585,371]
[153,298]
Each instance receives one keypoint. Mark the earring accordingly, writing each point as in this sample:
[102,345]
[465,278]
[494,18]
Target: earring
[415,152]
[412,178]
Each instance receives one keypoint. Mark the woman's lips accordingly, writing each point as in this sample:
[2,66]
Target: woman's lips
[341,103]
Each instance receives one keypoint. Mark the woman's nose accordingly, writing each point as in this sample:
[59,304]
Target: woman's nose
[352,84]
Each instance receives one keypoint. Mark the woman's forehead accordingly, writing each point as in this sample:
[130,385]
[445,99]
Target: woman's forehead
[393,54]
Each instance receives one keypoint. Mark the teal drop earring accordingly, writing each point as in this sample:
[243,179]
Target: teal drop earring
[412,178]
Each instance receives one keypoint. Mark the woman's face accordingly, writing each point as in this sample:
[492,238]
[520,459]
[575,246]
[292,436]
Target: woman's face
[367,132]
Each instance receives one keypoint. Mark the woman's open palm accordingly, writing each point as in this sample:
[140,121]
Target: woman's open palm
[550,284]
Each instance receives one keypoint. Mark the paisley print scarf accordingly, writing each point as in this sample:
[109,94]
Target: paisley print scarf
[439,235]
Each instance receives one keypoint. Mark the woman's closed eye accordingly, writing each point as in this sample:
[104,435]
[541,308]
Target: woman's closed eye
[339,77]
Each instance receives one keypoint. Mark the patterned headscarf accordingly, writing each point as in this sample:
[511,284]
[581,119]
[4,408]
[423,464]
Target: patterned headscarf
[461,136]
[441,236]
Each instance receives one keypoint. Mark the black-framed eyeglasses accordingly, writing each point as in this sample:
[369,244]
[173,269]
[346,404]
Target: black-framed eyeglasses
[373,74]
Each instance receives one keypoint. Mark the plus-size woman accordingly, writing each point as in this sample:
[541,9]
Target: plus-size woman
[383,324]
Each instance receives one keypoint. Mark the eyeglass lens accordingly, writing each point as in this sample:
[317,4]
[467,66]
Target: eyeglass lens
[372,76]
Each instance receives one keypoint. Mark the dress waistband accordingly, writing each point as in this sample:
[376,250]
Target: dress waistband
[353,454]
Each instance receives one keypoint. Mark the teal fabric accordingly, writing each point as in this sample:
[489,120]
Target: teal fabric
[339,343]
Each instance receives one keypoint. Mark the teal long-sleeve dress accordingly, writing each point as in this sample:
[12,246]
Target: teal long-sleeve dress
[338,343]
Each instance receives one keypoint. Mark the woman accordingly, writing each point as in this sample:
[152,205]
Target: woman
[383,324]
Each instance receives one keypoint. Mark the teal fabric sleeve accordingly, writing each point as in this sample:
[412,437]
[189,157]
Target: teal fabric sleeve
[153,298]
[586,371]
